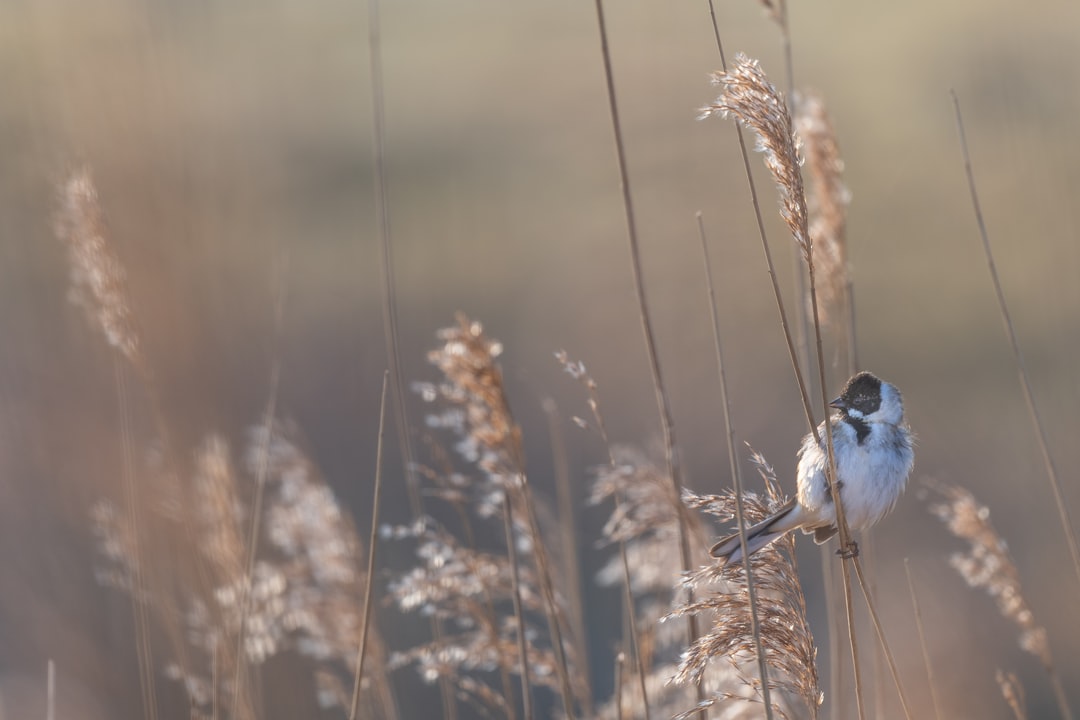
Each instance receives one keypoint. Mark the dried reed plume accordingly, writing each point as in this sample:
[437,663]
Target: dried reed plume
[988,565]
[785,633]
[478,415]
[644,523]
[98,281]
[472,592]
[645,519]
[1013,693]
[304,594]
[828,203]
[749,97]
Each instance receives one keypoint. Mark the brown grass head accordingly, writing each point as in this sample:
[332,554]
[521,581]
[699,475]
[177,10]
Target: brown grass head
[753,101]
[1013,693]
[988,565]
[828,203]
[461,586]
[98,282]
[722,594]
[304,593]
[468,359]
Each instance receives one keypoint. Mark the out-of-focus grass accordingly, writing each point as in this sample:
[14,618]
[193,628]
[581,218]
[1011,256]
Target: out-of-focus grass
[226,138]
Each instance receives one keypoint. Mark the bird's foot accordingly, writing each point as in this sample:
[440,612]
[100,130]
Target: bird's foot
[849,551]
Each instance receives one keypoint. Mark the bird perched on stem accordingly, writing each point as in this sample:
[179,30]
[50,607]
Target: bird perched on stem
[874,455]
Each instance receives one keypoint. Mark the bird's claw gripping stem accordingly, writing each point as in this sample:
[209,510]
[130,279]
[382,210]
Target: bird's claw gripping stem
[849,551]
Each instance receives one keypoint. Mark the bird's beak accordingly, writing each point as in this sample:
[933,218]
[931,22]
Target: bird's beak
[838,403]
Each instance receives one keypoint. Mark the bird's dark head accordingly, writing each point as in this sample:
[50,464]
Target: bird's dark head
[867,397]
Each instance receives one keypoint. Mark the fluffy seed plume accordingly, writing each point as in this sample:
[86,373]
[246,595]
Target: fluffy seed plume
[828,202]
[474,383]
[755,103]
[785,633]
[98,283]
[489,437]
[988,565]
[1013,692]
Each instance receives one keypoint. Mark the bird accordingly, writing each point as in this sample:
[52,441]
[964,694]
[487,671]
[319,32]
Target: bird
[875,452]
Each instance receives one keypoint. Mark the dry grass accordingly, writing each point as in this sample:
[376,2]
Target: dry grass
[787,641]
[987,565]
[290,599]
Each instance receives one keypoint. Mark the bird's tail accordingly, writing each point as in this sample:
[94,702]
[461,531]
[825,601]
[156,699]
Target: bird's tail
[772,528]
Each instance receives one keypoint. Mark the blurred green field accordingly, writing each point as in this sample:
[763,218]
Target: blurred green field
[229,141]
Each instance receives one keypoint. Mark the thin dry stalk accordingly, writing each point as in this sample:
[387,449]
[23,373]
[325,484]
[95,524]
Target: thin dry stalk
[519,612]
[389,302]
[1013,692]
[1021,367]
[666,421]
[883,640]
[382,220]
[577,371]
[736,475]
[144,651]
[620,663]
[778,13]
[922,641]
[50,692]
[373,544]
[988,565]
[567,522]
[240,678]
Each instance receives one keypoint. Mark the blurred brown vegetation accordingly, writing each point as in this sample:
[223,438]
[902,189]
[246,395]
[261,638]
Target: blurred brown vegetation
[233,141]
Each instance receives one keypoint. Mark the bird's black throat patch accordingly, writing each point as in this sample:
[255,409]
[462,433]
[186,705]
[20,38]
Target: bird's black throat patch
[862,428]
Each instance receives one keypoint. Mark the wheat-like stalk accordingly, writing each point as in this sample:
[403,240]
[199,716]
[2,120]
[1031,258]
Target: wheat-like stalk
[98,282]
[459,584]
[785,633]
[750,98]
[476,411]
[304,595]
[827,203]
[644,526]
[1012,692]
[988,565]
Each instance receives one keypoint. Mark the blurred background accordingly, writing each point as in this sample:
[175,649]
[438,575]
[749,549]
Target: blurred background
[231,145]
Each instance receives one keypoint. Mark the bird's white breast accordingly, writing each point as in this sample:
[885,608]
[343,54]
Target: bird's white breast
[872,474]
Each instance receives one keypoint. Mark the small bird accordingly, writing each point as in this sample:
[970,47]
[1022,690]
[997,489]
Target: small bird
[874,455]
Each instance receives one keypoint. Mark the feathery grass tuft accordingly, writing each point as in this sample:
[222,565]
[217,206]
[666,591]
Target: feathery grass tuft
[477,413]
[785,633]
[750,98]
[1013,693]
[988,565]
[98,282]
[828,203]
